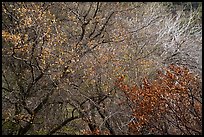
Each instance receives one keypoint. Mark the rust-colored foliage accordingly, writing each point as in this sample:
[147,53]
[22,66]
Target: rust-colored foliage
[173,96]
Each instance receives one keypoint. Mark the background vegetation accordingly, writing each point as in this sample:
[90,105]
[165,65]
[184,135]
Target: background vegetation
[116,68]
